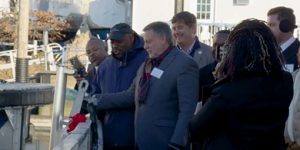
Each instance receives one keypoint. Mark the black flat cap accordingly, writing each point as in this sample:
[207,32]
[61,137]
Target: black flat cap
[118,31]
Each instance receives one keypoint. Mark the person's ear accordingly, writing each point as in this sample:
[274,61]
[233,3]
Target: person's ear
[194,29]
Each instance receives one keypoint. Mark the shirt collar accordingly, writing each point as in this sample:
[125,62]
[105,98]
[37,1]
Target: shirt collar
[190,48]
[287,43]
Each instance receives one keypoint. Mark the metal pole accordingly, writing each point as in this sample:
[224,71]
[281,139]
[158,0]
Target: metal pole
[22,59]
[45,42]
[214,9]
[22,64]
[58,105]
[126,12]
[35,44]
[179,6]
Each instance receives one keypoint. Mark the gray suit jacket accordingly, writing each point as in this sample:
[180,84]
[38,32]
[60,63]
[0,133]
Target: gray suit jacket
[203,55]
[169,106]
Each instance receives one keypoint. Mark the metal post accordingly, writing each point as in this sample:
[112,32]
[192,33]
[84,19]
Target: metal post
[179,6]
[16,122]
[126,12]
[45,42]
[130,12]
[22,59]
[12,63]
[58,105]
[35,44]
[22,65]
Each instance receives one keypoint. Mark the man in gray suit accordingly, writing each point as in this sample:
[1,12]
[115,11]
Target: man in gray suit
[184,26]
[164,93]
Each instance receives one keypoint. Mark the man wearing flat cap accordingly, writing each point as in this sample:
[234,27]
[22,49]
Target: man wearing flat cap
[116,74]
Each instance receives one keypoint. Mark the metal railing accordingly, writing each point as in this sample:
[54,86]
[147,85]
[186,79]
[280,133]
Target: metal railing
[51,52]
[79,139]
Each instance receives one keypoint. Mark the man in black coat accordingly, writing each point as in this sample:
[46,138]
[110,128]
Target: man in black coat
[281,21]
[206,77]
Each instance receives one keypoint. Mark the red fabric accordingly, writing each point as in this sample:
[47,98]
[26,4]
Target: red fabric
[74,121]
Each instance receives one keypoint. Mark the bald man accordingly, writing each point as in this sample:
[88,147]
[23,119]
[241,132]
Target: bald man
[96,51]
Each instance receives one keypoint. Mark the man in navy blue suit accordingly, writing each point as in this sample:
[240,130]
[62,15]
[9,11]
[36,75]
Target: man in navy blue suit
[281,20]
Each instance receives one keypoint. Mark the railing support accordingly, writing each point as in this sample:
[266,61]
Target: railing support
[58,104]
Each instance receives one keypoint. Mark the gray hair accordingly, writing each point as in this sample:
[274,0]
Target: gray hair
[162,29]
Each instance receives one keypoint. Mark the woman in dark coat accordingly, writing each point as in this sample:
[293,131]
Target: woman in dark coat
[249,105]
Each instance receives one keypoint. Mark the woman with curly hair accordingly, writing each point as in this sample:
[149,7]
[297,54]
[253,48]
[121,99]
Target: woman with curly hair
[249,104]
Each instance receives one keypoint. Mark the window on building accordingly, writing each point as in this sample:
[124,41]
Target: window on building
[203,9]
[240,2]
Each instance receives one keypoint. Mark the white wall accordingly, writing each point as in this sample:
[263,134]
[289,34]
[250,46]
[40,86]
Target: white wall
[191,6]
[226,12]
[147,11]
[294,4]
[4,4]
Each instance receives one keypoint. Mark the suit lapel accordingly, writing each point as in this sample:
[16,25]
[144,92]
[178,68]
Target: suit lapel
[165,63]
[168,59]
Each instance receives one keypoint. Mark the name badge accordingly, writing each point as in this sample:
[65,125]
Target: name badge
[289,67]
[156,72]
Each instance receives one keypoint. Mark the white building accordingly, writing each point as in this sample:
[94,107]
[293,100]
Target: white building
[233,11]
[139,13]
[207,11]
[4,5]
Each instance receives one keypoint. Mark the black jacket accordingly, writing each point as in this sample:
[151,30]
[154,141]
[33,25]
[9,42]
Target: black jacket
[206,78]
[248,112]
[290,54]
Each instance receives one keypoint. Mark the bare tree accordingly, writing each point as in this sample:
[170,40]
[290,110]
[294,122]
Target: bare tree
[38,22]
[44,20]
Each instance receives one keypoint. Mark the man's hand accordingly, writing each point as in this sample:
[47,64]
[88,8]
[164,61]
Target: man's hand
[78,77]
[92,100]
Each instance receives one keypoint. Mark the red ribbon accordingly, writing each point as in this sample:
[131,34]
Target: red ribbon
[75,120]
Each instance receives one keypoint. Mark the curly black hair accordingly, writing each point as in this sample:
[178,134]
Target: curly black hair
[251,48]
